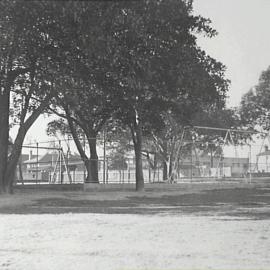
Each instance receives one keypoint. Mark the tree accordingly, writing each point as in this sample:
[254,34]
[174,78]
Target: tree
[159,66]
[146,54]
[178,130]
[132,60]
[24,55]
[117,161]
[34,35]
[255,105]
[86,113]
[85,100]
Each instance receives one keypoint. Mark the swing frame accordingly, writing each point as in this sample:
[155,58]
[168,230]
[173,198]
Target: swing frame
[227,138]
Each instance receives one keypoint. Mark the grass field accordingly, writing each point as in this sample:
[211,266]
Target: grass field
[184,226]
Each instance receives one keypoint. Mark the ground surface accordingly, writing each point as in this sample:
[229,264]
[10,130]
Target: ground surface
[184,226]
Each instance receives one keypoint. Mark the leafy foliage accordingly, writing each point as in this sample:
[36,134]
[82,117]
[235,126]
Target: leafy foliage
[255,104]
[132,61]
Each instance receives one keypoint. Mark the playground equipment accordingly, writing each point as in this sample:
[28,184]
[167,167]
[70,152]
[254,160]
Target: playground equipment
[217,170]
[59,165]
[194,158]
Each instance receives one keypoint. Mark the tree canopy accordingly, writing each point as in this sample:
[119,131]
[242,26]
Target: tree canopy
[255,104]
[131,61]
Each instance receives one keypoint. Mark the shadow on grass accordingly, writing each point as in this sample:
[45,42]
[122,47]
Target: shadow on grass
[236,202]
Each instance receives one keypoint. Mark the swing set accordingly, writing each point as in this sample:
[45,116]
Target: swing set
[59,166]
[216,169]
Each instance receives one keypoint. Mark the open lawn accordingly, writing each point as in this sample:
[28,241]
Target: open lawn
[183,226]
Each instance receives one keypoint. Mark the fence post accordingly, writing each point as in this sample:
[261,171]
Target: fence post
[191,161]
[107,171]
[250,177]
[37,166]
[104,157]
[128,174]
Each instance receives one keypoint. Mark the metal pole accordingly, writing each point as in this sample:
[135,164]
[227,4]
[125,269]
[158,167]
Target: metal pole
[60,163]
[149,174]
[225,139]
[250,164]
[107,172]
[84,160]
[67,165]
[177,161]
[191,161]
[37,166]
[40,147]
[128,170]
[104,157]
[256,167]
[228,129]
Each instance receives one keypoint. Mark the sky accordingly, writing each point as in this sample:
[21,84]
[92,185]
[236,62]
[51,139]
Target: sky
[243,45]
[243,42]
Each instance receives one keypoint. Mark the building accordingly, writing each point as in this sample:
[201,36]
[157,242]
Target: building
[203,165]
[262,166]
[42,168]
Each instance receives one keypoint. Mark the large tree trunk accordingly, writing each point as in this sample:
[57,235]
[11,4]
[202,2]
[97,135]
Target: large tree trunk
[6,82]
[4,134]
[17,146]
[20,172]
[91,164]
[10,173]
[171,176]
[93,161]
[136,131]
[167,163]
[139,167]
[14,159]
[165,170]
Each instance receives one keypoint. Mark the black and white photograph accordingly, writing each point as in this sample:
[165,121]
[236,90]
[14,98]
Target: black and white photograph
[134,134]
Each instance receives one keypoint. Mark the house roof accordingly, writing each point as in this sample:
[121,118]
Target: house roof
[265,153]
[48,158]
[44,158]
[25,157]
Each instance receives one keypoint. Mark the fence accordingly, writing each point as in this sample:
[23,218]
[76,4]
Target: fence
[245,162]
[67,172]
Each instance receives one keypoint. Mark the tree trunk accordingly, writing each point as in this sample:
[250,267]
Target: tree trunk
[6,82]
[13,160]
[136,131]
[17,146]
[165,170]
[10,173]
[211,158]
[170,165]
[92,176]
[20,172]
[91,164]
[139,167]
[4,134]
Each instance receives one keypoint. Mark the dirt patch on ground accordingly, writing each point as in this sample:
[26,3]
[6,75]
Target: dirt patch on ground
[183,227]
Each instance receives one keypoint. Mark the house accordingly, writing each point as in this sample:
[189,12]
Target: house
[22,168]
[263,162]
[41,168]
[202,165]
[46,168]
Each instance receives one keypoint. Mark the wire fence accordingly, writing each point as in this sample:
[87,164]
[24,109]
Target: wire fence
[74,171]
[56,165]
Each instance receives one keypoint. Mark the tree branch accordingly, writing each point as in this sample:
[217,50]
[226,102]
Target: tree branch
[12,74]
[75,137]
